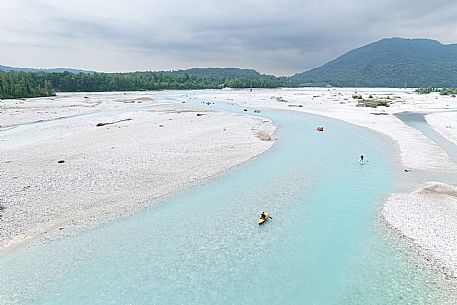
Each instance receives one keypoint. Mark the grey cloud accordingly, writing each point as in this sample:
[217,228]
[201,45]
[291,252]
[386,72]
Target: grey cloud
[273,36]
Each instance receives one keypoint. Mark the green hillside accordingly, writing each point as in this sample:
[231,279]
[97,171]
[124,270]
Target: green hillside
[389,63]
[220,72]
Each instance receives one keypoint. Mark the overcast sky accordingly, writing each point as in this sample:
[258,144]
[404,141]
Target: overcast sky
[279,37]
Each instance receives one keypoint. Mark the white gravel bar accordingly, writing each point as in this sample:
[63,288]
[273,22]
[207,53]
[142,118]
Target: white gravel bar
[149,149]
[428,217]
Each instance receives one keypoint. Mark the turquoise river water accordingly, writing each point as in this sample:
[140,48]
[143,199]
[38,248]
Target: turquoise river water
[324,244]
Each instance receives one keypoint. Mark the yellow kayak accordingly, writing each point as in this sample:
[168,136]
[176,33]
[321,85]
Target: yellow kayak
[263,217]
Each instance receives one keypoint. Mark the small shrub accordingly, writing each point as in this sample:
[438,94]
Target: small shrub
[427,90]
[373,103]
[448,91]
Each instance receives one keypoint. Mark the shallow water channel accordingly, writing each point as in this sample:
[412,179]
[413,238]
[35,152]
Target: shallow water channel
[417,120]
[324,244]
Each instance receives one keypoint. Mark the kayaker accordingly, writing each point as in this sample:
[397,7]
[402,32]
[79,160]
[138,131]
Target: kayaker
[264,216]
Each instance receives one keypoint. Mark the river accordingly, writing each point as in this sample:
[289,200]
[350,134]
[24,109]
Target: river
[324,245]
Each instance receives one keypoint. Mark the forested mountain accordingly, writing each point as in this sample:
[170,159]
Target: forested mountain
[389,63]
[220,72]
[201,72]
[33,70]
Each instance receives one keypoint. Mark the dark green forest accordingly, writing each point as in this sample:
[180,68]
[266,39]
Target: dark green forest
[21,84]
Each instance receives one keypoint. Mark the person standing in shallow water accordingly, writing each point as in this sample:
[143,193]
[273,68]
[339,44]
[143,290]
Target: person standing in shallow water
[361,158]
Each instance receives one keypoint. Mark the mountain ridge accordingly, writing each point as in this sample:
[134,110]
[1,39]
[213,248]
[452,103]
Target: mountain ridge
[389,62]
[220,72]
[201,72]
[37,70]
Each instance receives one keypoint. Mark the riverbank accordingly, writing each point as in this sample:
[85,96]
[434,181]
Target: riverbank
[427,217]
[416,150]
[124,165]
[80,159]
[445,123]
[420,159]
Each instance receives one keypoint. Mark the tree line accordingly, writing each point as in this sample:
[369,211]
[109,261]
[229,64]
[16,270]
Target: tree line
[32,84]
[22,84]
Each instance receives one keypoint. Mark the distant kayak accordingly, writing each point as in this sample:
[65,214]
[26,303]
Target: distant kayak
[262,220]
